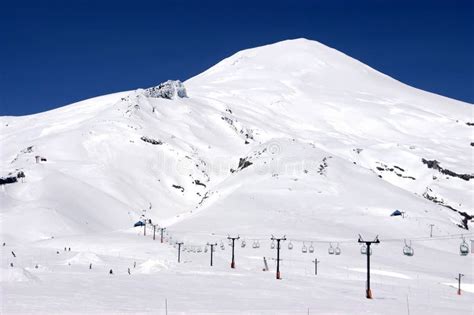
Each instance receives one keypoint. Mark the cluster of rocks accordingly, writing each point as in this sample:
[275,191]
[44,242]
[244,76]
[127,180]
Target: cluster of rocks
[436,166]
[170,89]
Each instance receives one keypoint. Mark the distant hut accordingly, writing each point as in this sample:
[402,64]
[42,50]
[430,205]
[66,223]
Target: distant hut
[396,213]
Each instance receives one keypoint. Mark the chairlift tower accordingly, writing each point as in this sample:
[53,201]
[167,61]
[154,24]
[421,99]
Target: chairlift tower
[316,262]
[278,240]
[368,243]
[179,250]
[459,282]
[162,230]
[212,249]
[431,230]
[232,264]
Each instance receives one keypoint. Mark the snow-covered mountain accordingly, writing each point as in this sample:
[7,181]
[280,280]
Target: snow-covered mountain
[291,138]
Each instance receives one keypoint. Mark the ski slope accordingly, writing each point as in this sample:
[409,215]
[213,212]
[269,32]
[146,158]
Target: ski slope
[293,138]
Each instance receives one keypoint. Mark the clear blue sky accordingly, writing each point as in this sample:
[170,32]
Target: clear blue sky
[54,53]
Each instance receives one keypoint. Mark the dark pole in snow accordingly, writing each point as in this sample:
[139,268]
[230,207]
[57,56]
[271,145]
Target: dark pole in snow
[316,261]
[179,251]
[273,238]
[162,230]
[154,231]
[144,228]
[431,230]
[459,283]
[212,250]
[232,264]
[368,243]
[369,292]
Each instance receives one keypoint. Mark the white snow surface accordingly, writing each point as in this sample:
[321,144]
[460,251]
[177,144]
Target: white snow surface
[335,147]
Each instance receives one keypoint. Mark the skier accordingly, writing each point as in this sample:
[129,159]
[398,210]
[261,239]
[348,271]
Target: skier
[128,270]
[69,249]
[11,265]
[90,266]
[13,254]
[111,272]
[134,264]
[4,244]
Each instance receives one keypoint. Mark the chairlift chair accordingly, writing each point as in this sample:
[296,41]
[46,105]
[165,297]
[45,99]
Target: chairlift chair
[254,244]
[272,246]
[258,244]
[242,244]
[331,249]
[463,248]
[337,250]
[363,250]
[304,250]
[290,246]
[408,250]
[311,248]
[222,245]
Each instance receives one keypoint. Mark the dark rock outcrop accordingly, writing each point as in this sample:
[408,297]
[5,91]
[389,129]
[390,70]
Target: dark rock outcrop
[436,166]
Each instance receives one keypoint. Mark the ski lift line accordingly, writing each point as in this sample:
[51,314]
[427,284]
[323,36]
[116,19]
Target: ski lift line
[343,241]
[257,243]
[434,238]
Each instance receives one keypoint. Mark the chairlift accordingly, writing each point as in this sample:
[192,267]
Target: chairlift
[205,249]
[290,246]
[230,242]
[311,248]
[222,245]
[272,246]
[363,250]
[243,243]
[331,249]
[304,249]
[408,250]
[463,248]
[199,249]
[258,244]
[254,245]
[337,250]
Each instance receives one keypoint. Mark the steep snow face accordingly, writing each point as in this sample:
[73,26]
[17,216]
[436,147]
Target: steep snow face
[316,94]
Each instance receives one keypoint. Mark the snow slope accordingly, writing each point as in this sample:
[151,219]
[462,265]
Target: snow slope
[293,138]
